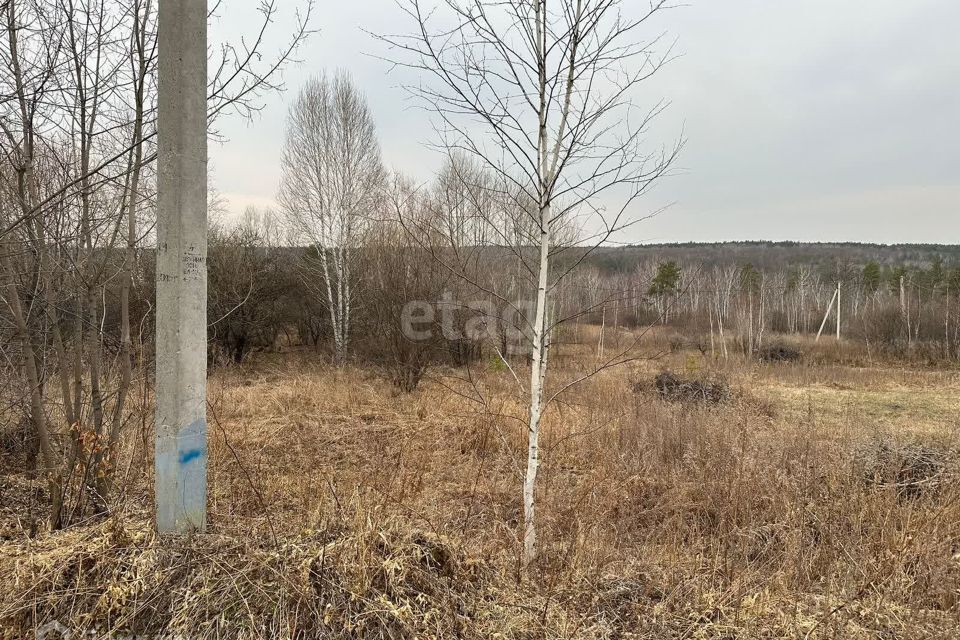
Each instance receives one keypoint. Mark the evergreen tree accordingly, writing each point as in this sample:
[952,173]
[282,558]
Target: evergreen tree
[750,279]
[667,280]
[872,277]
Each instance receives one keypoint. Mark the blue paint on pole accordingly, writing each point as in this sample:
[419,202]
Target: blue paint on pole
[192,472]
[182,468]
[191,455]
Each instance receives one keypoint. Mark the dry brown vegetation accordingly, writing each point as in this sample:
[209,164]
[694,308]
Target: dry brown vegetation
[820,501]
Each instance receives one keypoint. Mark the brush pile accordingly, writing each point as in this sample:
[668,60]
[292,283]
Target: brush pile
[673,388]
[911,468]
[779,353]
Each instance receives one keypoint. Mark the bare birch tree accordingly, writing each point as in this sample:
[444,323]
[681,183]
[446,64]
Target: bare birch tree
[333,178]
[540,92]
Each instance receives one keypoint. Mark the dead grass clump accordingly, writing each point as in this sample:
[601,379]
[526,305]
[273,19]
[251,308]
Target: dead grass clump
[673,388]
[378,582]
[912,468]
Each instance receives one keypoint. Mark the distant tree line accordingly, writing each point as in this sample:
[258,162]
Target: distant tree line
[895,309]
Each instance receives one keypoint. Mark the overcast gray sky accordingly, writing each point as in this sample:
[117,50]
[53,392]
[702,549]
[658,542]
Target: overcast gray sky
[805,119]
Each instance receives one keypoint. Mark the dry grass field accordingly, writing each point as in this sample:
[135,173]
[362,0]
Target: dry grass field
[820,501]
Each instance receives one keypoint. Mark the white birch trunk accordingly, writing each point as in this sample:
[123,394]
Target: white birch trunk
[537,374]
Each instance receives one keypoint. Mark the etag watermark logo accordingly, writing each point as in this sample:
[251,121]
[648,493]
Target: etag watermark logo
[420,320]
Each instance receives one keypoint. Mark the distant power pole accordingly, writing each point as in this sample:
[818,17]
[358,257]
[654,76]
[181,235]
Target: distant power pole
[903,299]
[838,310]
[181,417]
[827,314]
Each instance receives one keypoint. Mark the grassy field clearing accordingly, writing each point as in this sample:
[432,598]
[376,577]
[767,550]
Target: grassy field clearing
[820,501]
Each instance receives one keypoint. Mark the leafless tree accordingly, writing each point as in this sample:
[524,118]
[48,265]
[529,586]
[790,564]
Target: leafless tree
[540,93]
[333,180]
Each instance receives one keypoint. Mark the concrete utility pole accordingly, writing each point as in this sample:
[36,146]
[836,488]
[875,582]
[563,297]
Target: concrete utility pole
[903,299]
[826,316]
[838,310]
[181,414]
